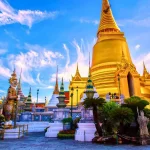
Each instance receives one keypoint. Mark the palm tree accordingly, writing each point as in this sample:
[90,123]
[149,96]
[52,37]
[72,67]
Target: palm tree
[135,102]
[147,112]
[95,103]
[123,116]
[105,116]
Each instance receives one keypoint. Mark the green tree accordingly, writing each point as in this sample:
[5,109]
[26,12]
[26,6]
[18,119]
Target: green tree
[95,103]
[105,116]
[108,107]
[147,112]
[134,101]
[123,116]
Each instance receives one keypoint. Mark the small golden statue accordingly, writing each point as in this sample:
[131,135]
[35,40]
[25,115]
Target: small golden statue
[9,106]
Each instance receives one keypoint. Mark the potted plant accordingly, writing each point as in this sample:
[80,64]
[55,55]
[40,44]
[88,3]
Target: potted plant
[67,123]
[2,121]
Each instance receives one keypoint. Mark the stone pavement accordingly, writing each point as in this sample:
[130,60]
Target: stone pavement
[37,141]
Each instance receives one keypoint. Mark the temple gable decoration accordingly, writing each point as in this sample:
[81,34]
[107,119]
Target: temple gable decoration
[125,67]
[77,76]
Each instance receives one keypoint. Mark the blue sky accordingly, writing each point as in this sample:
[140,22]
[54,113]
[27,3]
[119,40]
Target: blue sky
[38,35]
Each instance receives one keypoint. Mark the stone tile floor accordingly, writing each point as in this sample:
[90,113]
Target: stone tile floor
[37,141]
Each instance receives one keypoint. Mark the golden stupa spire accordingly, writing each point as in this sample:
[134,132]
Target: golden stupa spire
[145,72]
[107,21]
[56,89]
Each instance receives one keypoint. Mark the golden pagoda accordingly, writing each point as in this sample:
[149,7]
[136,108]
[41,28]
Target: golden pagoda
[112,68]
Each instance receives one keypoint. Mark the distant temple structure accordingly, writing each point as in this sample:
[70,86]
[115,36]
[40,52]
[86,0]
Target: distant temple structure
[22,98]
[28,102]
[54,100]
[112,69]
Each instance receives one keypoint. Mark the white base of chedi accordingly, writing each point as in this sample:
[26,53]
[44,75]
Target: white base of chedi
[54,129]
[14,133]
[53,101]
[85,132]
[35,126]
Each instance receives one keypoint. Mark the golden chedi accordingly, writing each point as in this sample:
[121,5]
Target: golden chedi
[111,59]
[112,68]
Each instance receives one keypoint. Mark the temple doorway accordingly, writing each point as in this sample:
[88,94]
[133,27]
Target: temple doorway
[130,84]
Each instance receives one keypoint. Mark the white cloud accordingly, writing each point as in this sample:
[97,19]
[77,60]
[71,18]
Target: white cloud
[42,85]
[5,72]
[36,57]
[67,52]
[137,22]
[139,62]
[137,47]
[34,99]
[2,51]
[1,91]
[82,58]
[84,20]
[50,87]
[38,79]
[11,35]
[9,15]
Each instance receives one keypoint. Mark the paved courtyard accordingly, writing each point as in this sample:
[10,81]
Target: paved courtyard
[37,141]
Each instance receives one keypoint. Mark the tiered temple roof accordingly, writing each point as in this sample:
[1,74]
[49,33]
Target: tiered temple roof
[28,102]
[19,90]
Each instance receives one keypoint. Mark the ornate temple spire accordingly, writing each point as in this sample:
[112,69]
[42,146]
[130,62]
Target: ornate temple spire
[19,90]
[145,72]
[30,92]
[56,89]
[62,93]
[19,83]
[77,76]
[107,21]
[77,72]
[28,102]
[89,86]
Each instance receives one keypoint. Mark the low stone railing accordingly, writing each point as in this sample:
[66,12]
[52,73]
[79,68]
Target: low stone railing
[15,133]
